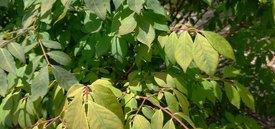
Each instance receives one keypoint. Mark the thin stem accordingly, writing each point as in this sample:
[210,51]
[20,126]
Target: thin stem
[139,108]
[16,37]
[43,50]
[163,109]
[50,121]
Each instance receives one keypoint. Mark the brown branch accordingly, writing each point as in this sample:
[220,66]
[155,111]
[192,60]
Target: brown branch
[163,109]
[43,50]
[16,37]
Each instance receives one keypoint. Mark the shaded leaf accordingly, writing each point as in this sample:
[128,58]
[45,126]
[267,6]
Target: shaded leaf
[91,23]
[135,5]
[119,48]
[147,112]
[217,90]
[100,7]
[232,94]
[7,62]
[220,44]
[186,118]
[52,44]
[246,96]
[100,117]
[3,83]
[64,78]
[183,102]
[60,57]
[39,86]
[17,51]
[205,56]
[183,50]
[157,120]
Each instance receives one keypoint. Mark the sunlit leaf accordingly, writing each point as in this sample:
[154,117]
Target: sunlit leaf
[156,6]
[170,47]
[205,56]
[119,48]
[124,22]
[100,117]
[145,33]
[232,94]
[147,112]
[64,78]
[46,5]
[172,102]
[39,86]
[183,102]
[117,3]
[157,120]
[163,39]
[135,5]
[183,50]
[75,115]
[100,7]
[60,57]
[140,122]
[169,125]
[220,44]
[7,62]
[17,51]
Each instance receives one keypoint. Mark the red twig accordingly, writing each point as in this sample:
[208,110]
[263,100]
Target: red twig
[163,109]
[86,93]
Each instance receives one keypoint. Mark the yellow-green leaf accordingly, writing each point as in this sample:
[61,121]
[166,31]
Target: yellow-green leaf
[100,117]
[183,102]
[232,94]
[220,44]
[157,120]
[99,7]
[170,47]
[3,83]
[140,122]
[163,39]
[205,56]
[124,22]
[145,33]
[169,125]
[183,50]
[75,116]
[7,62]
[46,5]
[172,102]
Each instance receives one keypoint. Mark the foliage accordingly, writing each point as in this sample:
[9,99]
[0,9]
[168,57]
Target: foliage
[117,64]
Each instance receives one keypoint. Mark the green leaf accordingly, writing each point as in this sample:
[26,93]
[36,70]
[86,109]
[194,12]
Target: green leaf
[220,44]
[246,96]
[183,50]
[91,23]
[157,120]
[7,62]
[124,22]
[103,46]
[75,116]
[75,90]
[156,7]
[140,122]
[169,125]
[46,5]
[52,44]
[205,56]
[273,9]
[136,5]
[119,48]
[103,96]
[232,94]
[99,7]
[147,112]
[217,90]
[186,118]
[60,57]
[230,71]
[170,47]
[3,83]
[172,102]
[64,78]
[17,51]
[183,102]
[117,3]
[145,33]
[163,39]
[39,86]
[100,117]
